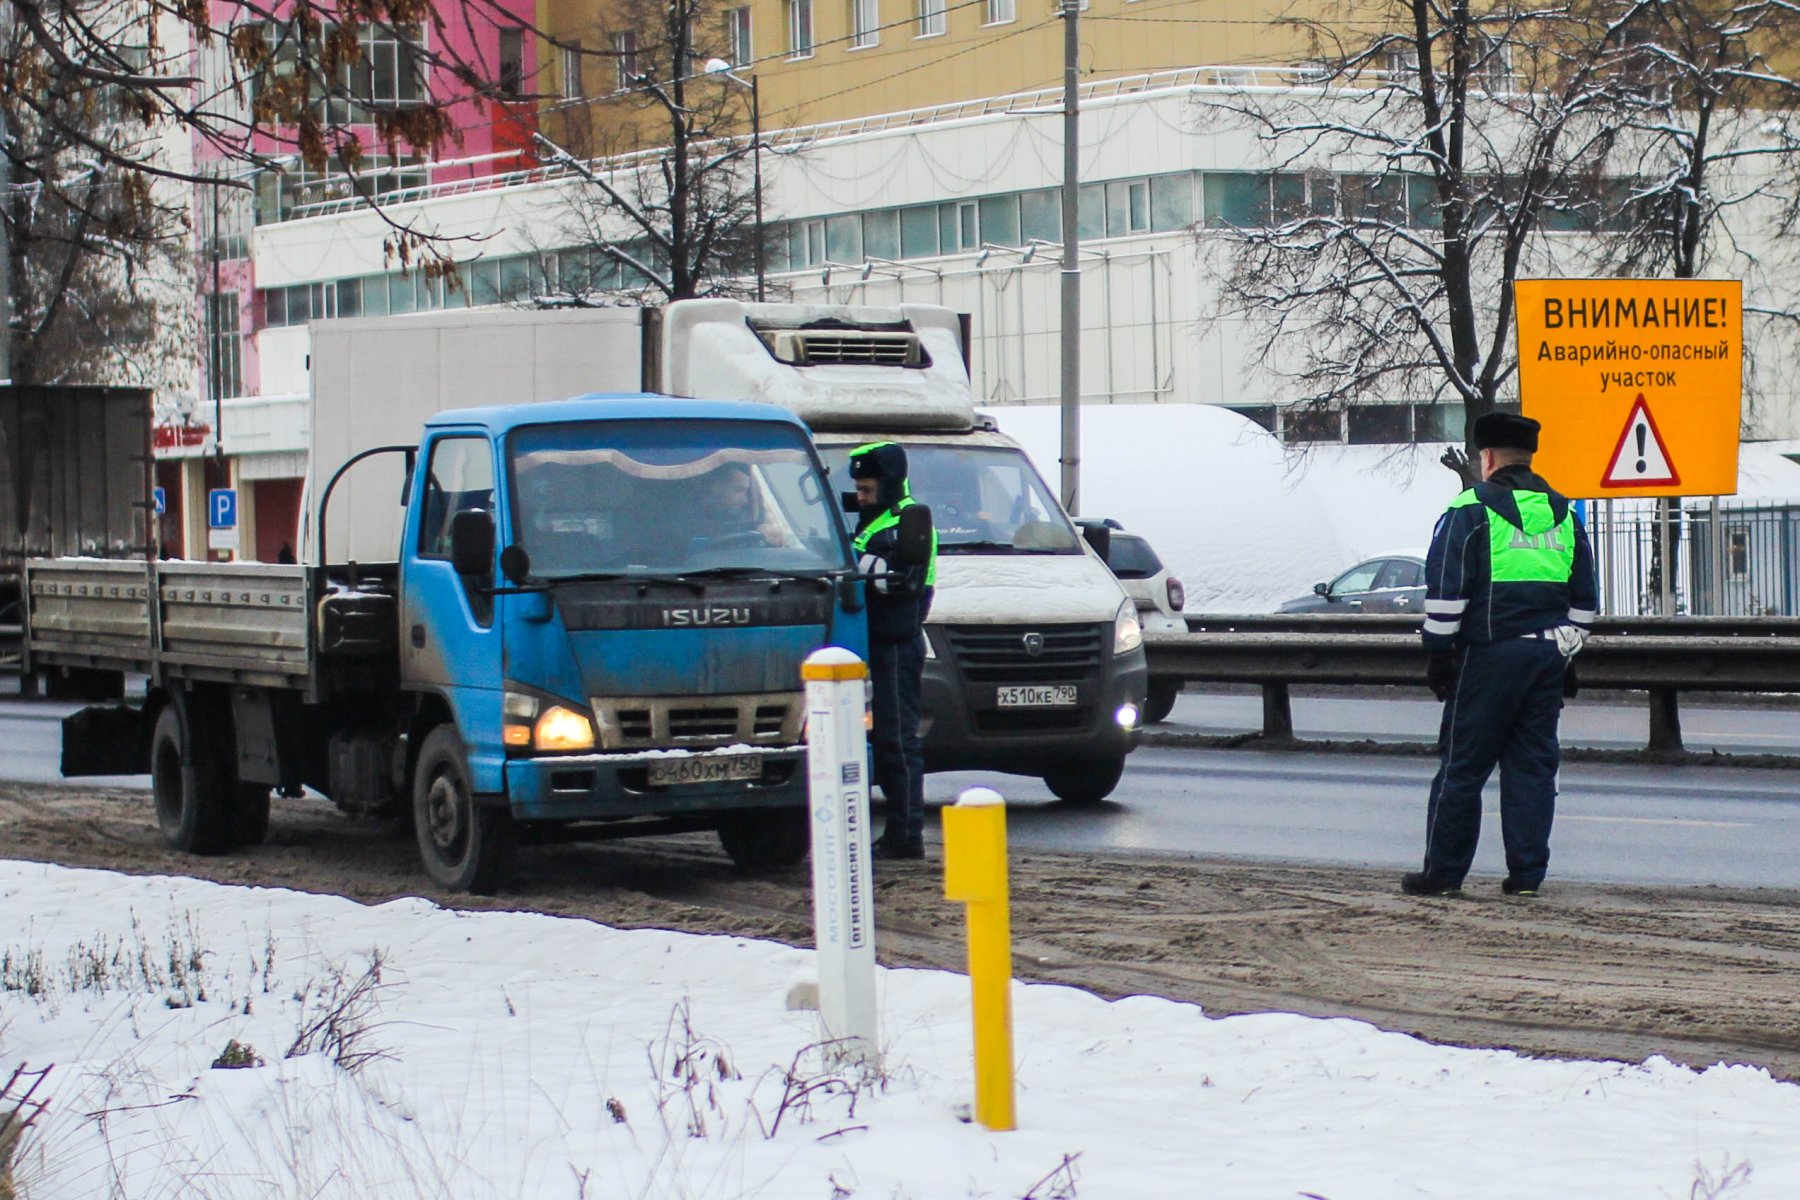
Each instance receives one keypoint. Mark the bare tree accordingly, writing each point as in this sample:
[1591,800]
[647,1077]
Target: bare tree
[95,249]
[669,207]
[1413,179]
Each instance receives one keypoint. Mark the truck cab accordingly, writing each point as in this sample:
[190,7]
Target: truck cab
[1035,661]
[609,600]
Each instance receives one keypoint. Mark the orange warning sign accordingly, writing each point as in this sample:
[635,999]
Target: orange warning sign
[1640,459]
[1638,383]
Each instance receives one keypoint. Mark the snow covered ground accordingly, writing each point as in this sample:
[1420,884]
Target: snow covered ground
[515,1055]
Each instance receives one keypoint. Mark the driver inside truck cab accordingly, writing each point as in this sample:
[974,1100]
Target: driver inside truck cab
[732,502]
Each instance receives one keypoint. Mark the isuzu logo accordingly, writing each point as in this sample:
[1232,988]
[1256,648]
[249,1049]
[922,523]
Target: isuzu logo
[705,614]
[1034,644]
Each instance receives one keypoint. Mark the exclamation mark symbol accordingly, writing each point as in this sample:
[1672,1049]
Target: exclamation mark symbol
[1642,433]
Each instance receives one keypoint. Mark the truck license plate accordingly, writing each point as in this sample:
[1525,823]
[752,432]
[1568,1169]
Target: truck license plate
[1027,695]
[712,769]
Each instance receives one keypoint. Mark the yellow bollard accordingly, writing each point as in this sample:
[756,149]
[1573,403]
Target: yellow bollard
[975,874]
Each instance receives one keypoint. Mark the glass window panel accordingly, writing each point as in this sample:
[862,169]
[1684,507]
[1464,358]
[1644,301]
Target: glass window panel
[299,304]
[1040,216]
[776,250]
[948,242]
[918,232]
[1422,209]
[1118,219]
[374,292]
[843,239]
[1236,198]
[515,278]
[881,233]
[484,281]
[1000,220]
[1171,202]
[274,308]
[349,298]
[968,227]
[402,297]
[1090,221]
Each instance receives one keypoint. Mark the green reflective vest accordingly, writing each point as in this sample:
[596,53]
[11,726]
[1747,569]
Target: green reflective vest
[888,520]
[1542,551]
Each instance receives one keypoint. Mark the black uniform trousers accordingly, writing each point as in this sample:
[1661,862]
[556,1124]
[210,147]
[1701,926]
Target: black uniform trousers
[1504,710]
[896,673]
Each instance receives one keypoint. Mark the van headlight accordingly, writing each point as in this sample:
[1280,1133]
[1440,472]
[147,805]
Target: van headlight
[562,728]
[1128,631]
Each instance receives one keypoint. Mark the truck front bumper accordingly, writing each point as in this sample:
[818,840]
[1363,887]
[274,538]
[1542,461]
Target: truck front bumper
[597,787]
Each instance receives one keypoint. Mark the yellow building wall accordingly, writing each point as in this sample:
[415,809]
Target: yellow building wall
[972,59]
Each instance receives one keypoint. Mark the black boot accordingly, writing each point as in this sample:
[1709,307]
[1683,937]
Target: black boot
[1418,883]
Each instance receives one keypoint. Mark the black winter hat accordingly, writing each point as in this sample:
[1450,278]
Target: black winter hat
[1506,431]
[879,460]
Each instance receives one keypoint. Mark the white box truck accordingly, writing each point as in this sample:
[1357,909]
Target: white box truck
[1035,666]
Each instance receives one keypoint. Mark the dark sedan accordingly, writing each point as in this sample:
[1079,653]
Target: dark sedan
[1389,584]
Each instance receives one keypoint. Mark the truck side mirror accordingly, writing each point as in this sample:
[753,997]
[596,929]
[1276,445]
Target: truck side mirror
[472,542]
[912,537]
[515,564]
[851,504]
[1099,538]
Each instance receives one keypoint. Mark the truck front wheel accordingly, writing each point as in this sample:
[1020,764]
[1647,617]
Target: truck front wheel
[191,787]
[765,839]
[464,847]
[250,818]
[1160,701]
[1085,782]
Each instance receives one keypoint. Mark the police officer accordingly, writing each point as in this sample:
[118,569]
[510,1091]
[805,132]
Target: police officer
[899,599]
[1509,597]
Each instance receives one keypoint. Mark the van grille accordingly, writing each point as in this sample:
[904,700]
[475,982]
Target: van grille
[1003,653]
[659,723]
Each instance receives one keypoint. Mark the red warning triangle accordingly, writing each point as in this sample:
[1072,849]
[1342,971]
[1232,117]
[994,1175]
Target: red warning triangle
[1641,459]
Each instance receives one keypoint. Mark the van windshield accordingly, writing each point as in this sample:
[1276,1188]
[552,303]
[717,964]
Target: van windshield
[984,499]
[662,497]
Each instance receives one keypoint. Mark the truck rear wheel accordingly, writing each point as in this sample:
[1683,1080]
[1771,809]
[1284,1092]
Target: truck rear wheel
[191,787]
[250,817]
[465,847]
[765,839]
[1087,782]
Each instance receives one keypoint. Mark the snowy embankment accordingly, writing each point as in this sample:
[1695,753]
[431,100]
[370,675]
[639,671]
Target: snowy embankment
[212,1041]
[1244,524]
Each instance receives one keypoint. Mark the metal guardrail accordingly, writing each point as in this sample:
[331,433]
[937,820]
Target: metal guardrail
[1661,656]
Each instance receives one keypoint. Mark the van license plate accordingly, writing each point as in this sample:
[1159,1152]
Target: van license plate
[713,769]
[1037,695]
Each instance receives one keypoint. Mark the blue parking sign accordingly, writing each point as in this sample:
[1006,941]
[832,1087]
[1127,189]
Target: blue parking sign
[162,501]
[221,508]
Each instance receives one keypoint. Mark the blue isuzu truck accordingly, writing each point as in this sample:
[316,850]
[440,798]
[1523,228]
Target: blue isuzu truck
[592,626]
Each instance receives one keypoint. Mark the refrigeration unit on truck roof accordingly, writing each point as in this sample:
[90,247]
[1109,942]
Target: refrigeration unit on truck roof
[897,368]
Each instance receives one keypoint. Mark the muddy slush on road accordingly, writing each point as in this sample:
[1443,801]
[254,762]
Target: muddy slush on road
[1698,975]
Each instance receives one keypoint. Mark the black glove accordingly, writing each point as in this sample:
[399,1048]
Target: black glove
[1440,674]
[1571,685]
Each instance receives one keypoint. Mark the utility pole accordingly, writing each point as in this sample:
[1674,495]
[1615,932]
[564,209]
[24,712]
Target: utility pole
[5,254]
[1071,261]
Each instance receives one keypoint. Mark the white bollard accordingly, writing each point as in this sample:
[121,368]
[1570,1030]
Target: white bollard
[843,894]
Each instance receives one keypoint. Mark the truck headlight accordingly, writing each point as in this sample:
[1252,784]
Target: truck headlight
[520,711]
[563,729]
[1128,632]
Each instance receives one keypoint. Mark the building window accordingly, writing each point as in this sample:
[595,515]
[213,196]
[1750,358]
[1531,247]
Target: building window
[931,18]
[1002,12]
[511,80]
[387,72]
[624,48]
[799,28]
[743,48]
[225,360]
[571,71]
[865,23]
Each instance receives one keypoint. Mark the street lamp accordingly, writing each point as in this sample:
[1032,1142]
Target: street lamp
[718,66]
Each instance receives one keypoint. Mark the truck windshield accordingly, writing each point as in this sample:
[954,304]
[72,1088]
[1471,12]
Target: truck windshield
[984,499]
[661,497]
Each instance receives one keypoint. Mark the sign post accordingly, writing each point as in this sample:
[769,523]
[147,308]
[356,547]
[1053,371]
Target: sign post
[843,893]
[975,875]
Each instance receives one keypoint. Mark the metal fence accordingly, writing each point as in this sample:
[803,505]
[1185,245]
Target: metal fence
[1729,559]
